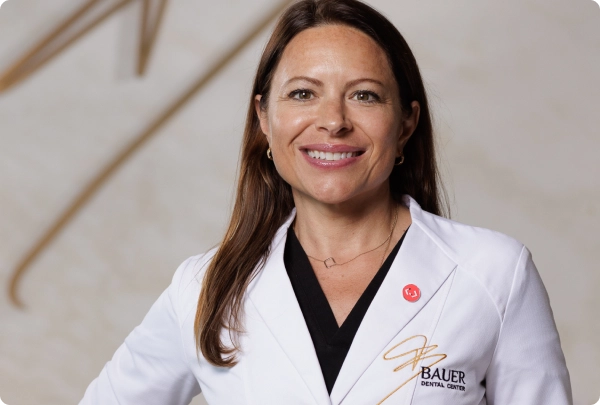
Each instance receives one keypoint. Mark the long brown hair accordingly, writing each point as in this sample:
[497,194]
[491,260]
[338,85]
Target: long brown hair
[264,199]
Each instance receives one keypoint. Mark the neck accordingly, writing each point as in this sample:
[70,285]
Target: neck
[344,230]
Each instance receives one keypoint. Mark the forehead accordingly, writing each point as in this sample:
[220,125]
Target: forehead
[336,49]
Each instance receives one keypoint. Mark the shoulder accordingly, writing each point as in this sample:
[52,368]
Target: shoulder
[491,258]
[465,244]
[192,269]
[187,280]
[470,245]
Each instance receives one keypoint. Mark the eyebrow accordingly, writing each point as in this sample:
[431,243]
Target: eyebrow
[317,82]
[365,79]
[304,78]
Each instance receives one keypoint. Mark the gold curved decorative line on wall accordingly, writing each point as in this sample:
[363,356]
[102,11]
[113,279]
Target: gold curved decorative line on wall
[40,54]
[111,168]
[35,58]
[148,33]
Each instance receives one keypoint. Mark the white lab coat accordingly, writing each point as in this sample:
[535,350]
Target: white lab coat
[483,327]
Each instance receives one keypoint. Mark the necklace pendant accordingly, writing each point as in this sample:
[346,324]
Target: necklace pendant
[329,262]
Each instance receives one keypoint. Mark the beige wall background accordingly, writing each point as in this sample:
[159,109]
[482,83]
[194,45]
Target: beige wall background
[515,92]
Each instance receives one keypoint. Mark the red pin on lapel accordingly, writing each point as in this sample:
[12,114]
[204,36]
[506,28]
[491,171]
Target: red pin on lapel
[411,293]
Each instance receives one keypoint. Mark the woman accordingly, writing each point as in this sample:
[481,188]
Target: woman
[337,281]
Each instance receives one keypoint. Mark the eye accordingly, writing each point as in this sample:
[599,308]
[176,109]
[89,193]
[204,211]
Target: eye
[366,96]
[301,94]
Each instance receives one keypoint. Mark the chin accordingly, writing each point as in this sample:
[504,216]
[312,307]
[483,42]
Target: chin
[337,192]
[338,195]
[333,197]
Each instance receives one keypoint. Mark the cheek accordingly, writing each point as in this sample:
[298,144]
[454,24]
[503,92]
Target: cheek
[286,124]
[383,131]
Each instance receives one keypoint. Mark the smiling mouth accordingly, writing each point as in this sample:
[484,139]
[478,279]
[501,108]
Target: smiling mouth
[332,156]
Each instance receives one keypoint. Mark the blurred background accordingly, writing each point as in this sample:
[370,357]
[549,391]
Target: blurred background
[514,90]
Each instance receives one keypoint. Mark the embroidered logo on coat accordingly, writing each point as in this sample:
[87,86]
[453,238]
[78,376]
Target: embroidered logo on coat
[413,351]
[453,379]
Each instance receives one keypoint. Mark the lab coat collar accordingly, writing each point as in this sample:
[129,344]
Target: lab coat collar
[420,261]
[272,295]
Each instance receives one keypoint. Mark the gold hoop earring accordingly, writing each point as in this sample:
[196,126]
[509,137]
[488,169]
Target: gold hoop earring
[399,162]
[269,154]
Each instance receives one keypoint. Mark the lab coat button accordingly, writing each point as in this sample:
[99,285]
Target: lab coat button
[411,292]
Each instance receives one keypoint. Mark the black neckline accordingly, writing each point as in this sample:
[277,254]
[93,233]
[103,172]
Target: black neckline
[331,341]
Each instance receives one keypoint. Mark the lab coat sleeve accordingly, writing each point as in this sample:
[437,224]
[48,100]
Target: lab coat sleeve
[528,366]
[149,367]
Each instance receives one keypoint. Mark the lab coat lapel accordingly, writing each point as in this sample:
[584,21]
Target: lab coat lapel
[419,261]
[273,297]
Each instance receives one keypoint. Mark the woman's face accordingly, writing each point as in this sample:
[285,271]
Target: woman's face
[333,118]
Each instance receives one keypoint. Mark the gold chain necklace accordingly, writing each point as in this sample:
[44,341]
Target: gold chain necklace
[330,261]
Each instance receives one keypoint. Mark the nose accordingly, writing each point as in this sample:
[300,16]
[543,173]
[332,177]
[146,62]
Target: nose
[332,117]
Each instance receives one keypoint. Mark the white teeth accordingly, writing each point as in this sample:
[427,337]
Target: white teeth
[315,154]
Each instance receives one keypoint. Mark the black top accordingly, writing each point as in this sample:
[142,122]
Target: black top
[331,342]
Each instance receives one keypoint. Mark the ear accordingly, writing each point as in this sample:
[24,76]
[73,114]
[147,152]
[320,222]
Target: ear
[408,126]
[262,116]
